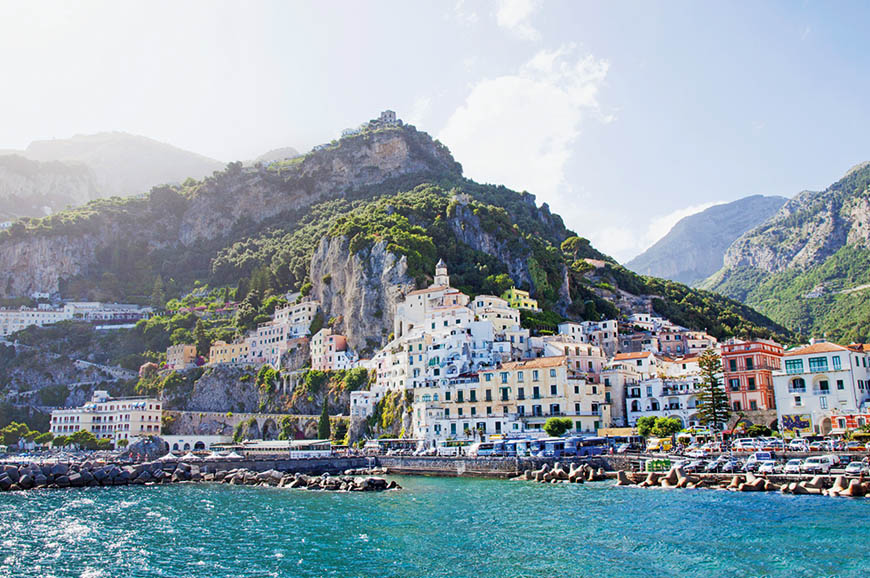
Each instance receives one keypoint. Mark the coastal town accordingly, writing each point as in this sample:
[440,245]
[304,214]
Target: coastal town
[472,373]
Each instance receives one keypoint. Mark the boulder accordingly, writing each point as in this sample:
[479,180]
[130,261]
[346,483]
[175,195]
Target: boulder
[5,482]
[62,481]
[12,473]
[76,480]
[622,478]
[855,489]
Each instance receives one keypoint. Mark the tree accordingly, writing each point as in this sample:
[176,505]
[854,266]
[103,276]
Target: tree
[158,293]
[666,427]
[645,425]
[44,439]
[123,443]
[756,430]
[60,441]
[13,433]
[556,426]
[323,424]
[713,409]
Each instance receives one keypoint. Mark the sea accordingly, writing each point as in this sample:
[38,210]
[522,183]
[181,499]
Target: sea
[432,527]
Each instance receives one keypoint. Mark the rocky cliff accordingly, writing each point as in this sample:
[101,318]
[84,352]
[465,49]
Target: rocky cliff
[362,289]
[695,247]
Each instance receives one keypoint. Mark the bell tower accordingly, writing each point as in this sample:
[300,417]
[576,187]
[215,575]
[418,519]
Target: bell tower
[441,276]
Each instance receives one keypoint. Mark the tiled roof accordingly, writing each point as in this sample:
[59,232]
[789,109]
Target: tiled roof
[428,290]
[638,355]
[821,347]
[537,363]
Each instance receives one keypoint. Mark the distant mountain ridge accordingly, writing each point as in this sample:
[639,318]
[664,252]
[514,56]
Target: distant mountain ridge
[695,247]
[51,175]
[805,266]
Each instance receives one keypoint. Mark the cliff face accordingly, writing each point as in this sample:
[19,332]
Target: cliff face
[807,266]
[363,288]
[217,211]
[34,189]
[809,228]
[695,247]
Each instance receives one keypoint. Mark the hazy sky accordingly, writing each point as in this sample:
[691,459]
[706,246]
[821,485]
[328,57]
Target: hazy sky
[623,116]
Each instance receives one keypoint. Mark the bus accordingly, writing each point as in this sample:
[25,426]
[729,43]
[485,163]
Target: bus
[385,445]
[452,447]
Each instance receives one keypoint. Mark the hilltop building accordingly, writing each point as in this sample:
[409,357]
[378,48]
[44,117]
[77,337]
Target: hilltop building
[329,351]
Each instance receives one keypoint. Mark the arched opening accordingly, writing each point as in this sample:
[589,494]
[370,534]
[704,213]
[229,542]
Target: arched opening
[187,447]
[654,405]
[635,406]
[175,446]
[270,429]
[200,445]
[825,426]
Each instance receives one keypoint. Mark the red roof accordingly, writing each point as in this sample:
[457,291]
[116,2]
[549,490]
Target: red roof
[821,347]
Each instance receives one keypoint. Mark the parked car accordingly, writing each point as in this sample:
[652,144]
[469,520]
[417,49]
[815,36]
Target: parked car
[731,466]
[855,447]
[857,468]
[745,445]
[799,445]
[622,448]
[695,466]
[754,460]
[792,466]
[822,446]
[817,465]
[714,465]
[769,467]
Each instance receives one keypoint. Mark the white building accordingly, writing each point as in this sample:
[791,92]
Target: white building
[818,383]
[112,419]
[496,311]
[362,403]
[604,334]
[289,325]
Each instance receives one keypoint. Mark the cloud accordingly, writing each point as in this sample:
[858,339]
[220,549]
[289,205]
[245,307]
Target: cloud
[519,129]
[514,16]
[420,111]
[463,14]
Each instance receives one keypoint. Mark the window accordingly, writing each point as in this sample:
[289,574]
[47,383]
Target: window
[751,384]
[734,384]
[750,364]
[489,377]
[794,365]
[520,376]
[797,385]
[840,384]
[446,396]
[472,395]
[823,386]
[835,361]
[753,404]
[460,395]
[536,392]
[459,412]
[555,409]
[473,410]
[521,393]
[732,364]
[504,377]
[553,390]
[797,401]
[488,395]
[552,373]
[534,375]
[818,364]
[649,391]
[736,405]
[823,402]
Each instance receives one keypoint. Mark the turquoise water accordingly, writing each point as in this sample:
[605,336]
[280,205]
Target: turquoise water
[434,527]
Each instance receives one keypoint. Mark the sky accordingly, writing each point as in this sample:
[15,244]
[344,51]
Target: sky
[623,116]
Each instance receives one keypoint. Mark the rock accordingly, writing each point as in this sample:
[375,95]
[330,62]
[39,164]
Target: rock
[76,480]
[622,478]
[5,482]
[12,473]
[62,481]
[855,489]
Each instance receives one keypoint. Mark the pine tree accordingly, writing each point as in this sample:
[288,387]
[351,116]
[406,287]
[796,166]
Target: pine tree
[713,408]
[158,294]
[323,425]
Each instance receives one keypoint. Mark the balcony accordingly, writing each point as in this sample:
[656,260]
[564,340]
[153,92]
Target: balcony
[820,391]
[797,389]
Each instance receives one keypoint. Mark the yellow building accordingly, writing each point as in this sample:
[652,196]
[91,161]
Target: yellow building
[516,398]
[519,299]
[223,352]
[180,356]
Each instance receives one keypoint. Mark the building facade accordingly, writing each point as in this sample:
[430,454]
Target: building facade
[112,419]
[181,356]
[747,370]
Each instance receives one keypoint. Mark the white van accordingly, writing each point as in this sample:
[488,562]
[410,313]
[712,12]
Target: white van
[819,464]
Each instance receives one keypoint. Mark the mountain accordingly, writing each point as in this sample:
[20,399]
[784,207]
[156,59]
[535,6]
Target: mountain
[34,189]
[125,164]
[278,154]
[695,247]
[354,223]
[808,266]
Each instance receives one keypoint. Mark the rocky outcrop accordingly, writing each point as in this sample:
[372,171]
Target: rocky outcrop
[213,211]
[363,288]
[695,247]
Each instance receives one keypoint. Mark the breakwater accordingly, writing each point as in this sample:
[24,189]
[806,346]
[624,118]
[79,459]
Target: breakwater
[490,467]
